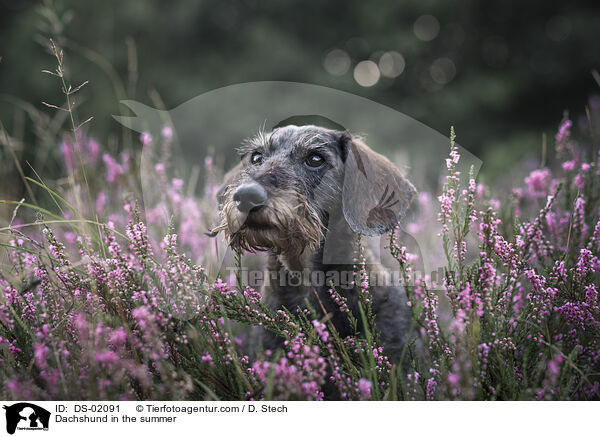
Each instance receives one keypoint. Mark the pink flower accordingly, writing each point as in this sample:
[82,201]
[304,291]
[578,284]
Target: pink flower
[117,337]
[554,367]
[93,150]
[364,388]
[579,180]
[100,202]
[591,295]
[113,168]
[431,385]
[67,152]
[321,330]
[41,353]
[108,357]
[167,132]
[145,139]
[412,258]
[453,379]
[177,184]
[538,182]
[446,200]
[564,132]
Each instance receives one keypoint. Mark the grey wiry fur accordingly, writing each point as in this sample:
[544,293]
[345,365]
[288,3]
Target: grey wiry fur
[311,216]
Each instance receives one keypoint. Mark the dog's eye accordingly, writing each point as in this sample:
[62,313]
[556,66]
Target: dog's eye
[256,158]
[315,160]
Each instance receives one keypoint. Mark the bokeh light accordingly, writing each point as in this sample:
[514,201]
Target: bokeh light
[426,27]
[391,64]
[366,73]
[336,62]
[442,70]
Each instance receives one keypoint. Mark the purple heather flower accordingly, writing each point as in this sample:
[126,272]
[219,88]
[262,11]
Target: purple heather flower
[321,330]
[579,180]
[101,200]
[538,182]
[41,353]
[554,366]
[563,134]
[591,295]
[145,138]
[107,357]
[67,152]
[118,337]
[364,388]
[446,200]
[166,132]
[113,168]
[431,385]
[568,165]
[93,150]
[453,379]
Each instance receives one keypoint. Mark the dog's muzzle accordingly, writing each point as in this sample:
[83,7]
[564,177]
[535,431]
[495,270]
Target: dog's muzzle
[250,197]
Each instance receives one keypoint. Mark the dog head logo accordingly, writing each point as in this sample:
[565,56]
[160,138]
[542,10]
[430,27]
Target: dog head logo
[374,193]
[26,416]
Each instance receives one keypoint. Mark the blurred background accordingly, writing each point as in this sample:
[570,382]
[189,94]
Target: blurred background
[503,73]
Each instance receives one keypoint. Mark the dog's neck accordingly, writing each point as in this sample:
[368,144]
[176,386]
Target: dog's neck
[336,249]
[297,263]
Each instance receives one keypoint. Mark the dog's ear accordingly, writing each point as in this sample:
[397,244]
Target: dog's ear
[375,194]
[230,178]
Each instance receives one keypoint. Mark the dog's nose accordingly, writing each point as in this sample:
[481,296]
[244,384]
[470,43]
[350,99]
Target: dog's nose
[249,197]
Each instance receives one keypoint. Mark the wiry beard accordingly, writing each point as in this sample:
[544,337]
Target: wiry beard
[288,225]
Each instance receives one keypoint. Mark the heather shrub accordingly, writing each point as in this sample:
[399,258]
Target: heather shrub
[93,305]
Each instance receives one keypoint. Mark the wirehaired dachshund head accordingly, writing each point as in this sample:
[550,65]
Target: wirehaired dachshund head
[290,182]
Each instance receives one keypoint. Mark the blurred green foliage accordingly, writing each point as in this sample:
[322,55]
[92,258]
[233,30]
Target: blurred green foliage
[500,72]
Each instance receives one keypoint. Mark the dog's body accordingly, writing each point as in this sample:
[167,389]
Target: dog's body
[303,194]
[392,316]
